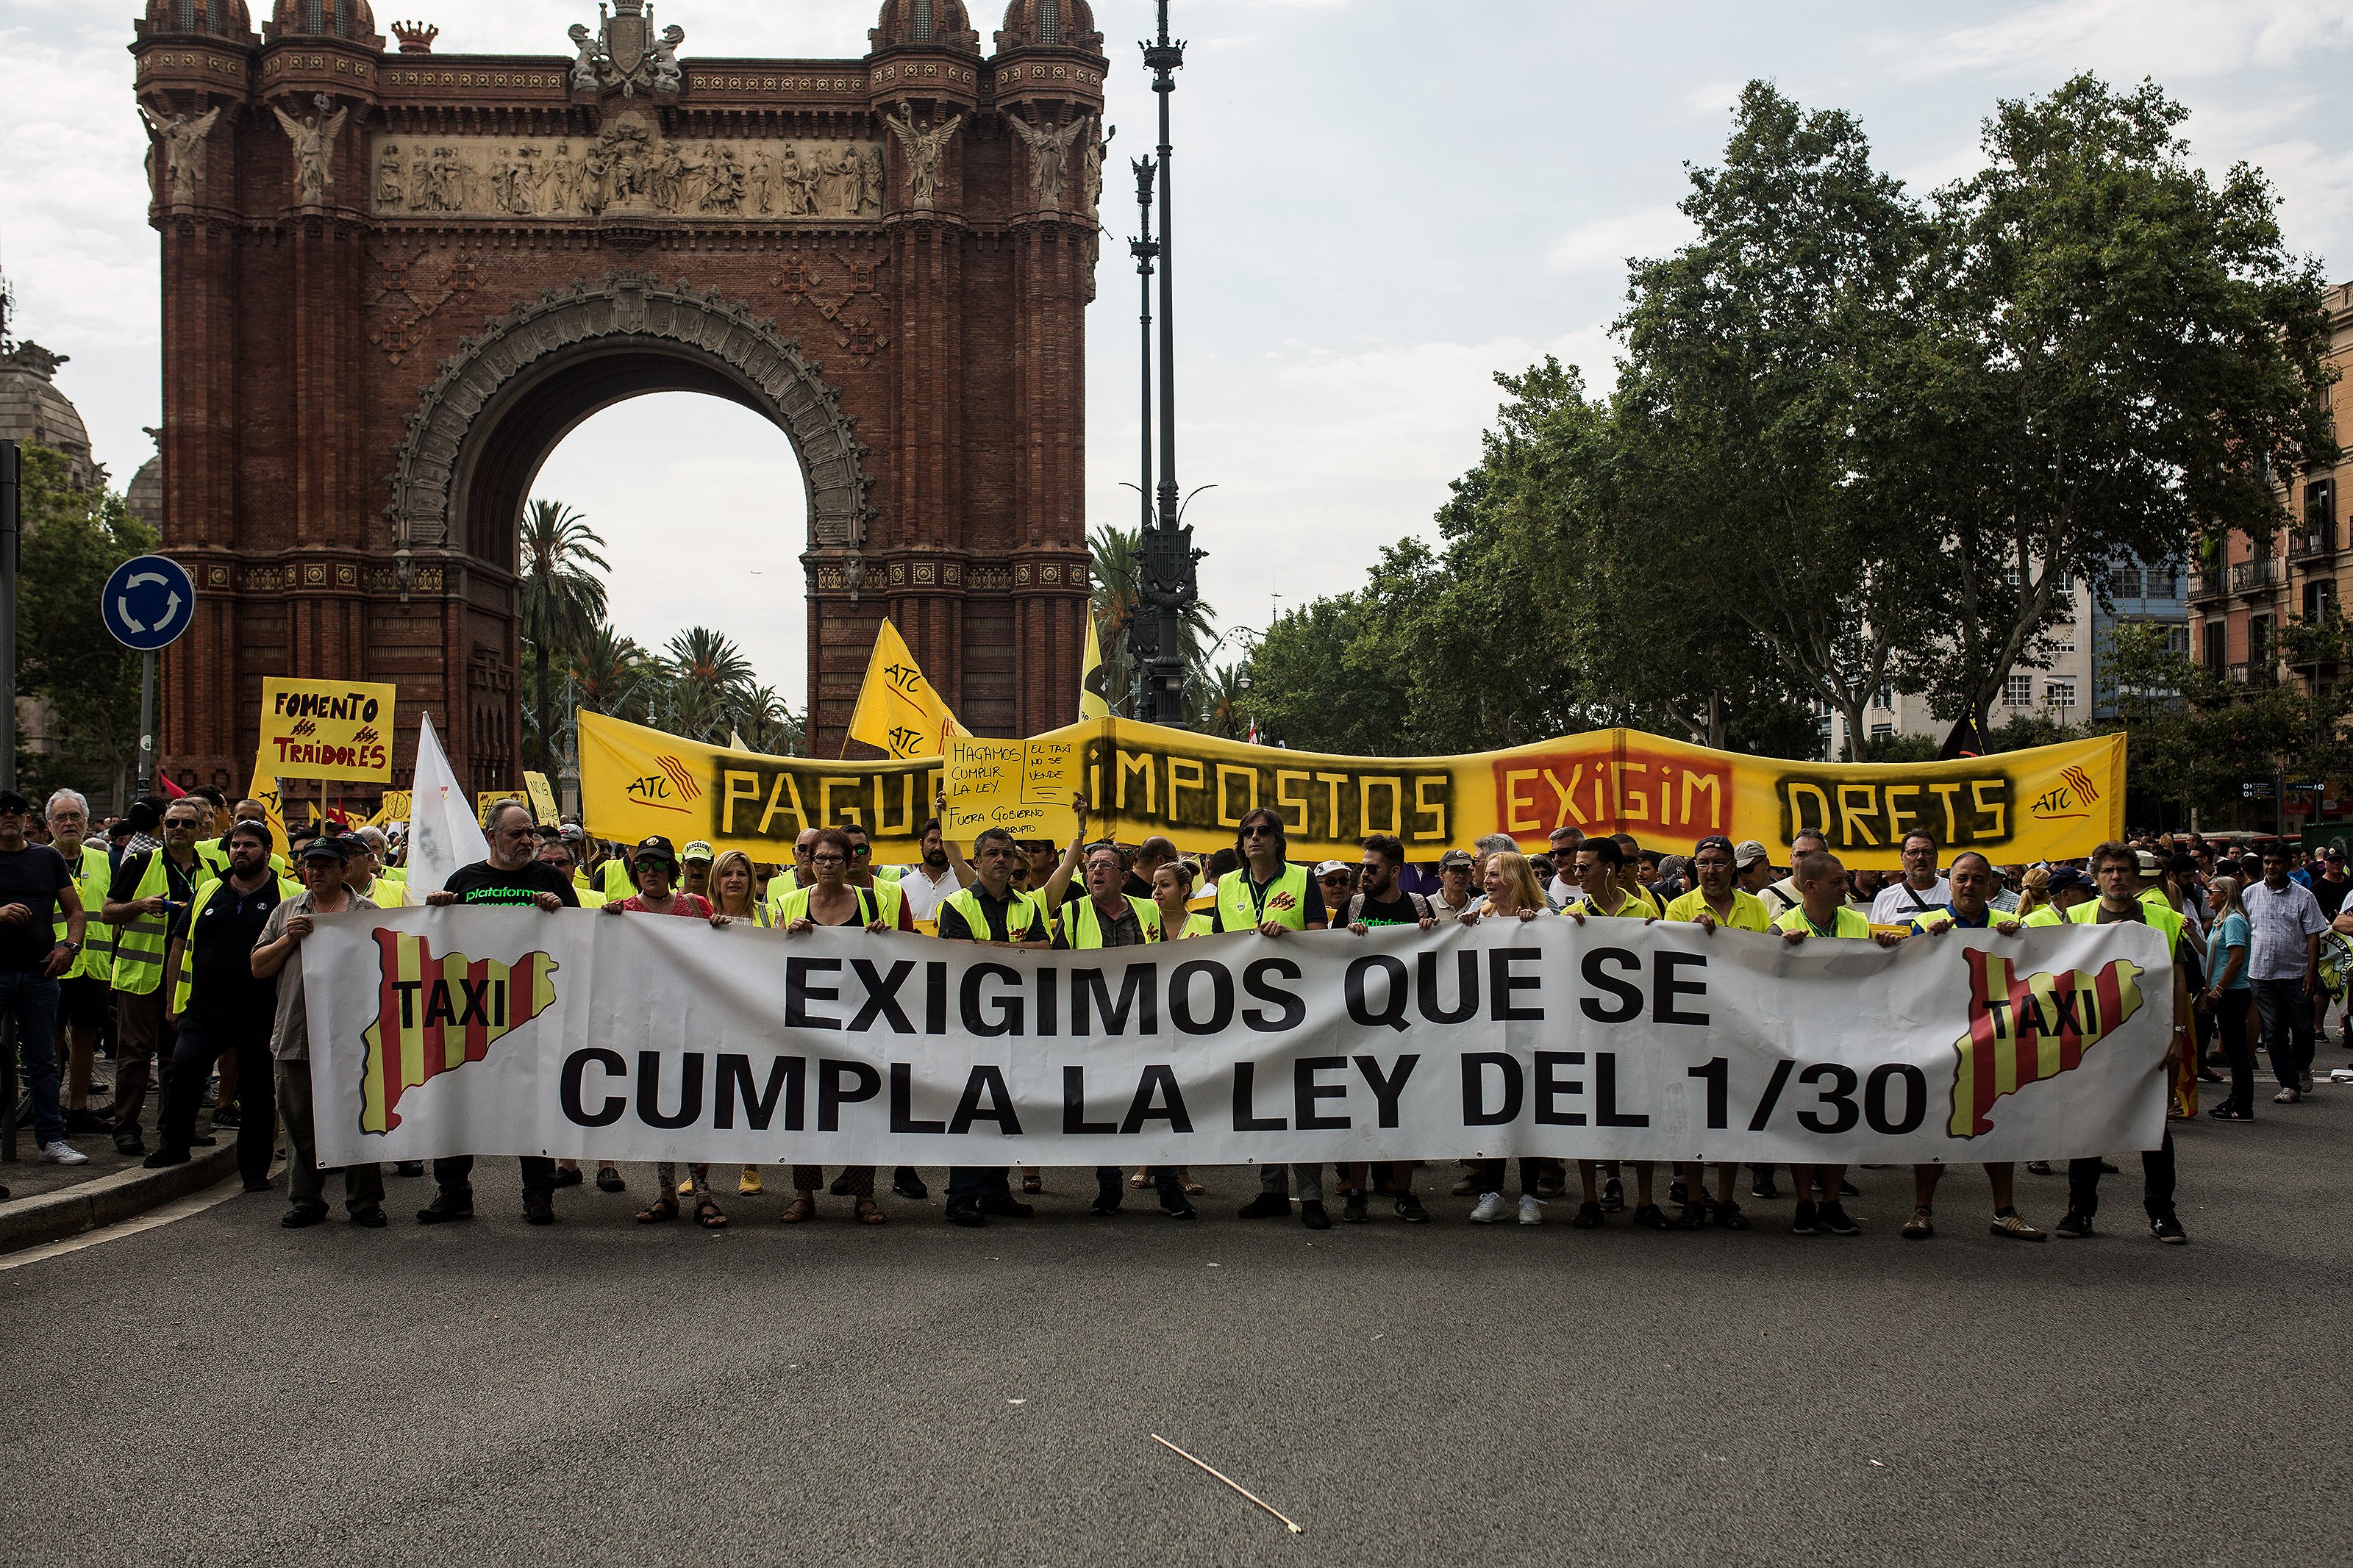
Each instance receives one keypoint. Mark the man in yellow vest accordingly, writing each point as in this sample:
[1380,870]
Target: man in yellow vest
[34,882]
[1269,895]
[991,913]
[888,895]
[86,994]
[218,1007]
[1719,901]
[147,904]
[2115,868]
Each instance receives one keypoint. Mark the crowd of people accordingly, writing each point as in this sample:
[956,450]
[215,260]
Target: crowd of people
[166,944]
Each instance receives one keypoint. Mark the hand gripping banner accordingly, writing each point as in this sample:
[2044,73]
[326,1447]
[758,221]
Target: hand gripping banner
[635,1037]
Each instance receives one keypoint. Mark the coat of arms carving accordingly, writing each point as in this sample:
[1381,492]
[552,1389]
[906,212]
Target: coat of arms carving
[626,54]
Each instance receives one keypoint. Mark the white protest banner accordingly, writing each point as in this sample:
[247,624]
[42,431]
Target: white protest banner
[594,1036]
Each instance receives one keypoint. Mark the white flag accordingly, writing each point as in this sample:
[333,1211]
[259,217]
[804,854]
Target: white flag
[442,832]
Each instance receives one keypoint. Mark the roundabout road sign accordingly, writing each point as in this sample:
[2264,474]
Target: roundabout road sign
[148,603]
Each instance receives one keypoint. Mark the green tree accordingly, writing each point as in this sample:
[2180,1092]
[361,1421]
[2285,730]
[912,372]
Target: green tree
[87,682]
[562,603]
[1225,698]
[706,679]
[2117,352]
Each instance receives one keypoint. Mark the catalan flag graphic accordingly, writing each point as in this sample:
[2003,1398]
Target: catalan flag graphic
[436,1015]
[2028,1028]
[2082,783]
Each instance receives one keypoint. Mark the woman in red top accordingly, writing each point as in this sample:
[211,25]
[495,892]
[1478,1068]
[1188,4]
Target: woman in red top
[832,900]
[657,865]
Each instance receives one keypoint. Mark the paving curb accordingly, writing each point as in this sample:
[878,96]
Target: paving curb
[53,1217]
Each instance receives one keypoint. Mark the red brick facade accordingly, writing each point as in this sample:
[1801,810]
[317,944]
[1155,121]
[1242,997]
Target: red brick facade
[372,338]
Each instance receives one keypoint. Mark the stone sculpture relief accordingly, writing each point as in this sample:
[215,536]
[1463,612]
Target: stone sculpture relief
[925,145]
[1094,150]
[629,169]
[182,137]
[1049,154]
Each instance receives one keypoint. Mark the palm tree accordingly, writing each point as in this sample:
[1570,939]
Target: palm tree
[562,600]
[768,724]
[1225,701]
[1119,592]
[707,676]
[609,674]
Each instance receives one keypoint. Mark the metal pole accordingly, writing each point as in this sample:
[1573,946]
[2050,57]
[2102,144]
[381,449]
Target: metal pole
[1169,587]
[1164,58]
[146,723]
[12,523]
[1146,252]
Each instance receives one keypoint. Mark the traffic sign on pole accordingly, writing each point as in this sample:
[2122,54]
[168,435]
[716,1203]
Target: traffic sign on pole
[148,603]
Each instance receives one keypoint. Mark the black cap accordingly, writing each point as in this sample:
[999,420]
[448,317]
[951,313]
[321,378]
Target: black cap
[1716,841]
[11,801]
[658,846]
[326,849]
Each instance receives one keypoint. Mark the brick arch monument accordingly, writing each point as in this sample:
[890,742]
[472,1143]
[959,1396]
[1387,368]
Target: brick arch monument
[395,278]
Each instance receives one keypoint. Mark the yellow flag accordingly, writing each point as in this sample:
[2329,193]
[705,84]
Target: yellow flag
[267,789]
[1094,702]
[898,710]
[735,742]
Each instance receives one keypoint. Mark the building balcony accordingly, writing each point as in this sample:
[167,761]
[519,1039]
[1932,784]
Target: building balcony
[2210,584]
[2312,545]
[2255,578]
[2255,677]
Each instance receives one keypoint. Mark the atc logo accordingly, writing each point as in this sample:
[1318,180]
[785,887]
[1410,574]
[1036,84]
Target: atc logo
[2070,799]
[2031,1028]
[436,1015]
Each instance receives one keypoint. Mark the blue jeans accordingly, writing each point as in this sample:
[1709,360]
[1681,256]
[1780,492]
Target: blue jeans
[32,1001]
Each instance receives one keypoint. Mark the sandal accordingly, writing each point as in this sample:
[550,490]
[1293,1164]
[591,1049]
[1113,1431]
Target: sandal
[1142,1179]
[707,1215]
[1191,1187]
[1033,1183]
[800,1208]
[871,1213]
[660,1209]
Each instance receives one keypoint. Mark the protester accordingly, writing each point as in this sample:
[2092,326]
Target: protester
[657,866]
[1453,896]
[85,993]
[1565,841]
[1381,901]
[1600,863]
[2282,962]
[694,869]
[1337,880]
[557,849]
[289,923]
[147,904]
[36,884]
[1717,902]
[1920,891]
[513,878]
[991,913]
[1270,895]
[1172,895]
[1512,895]
[1782,896]
[1150,855]
[2229,995]
[1821,911]
[219,1005]
[365,875]
[943,871]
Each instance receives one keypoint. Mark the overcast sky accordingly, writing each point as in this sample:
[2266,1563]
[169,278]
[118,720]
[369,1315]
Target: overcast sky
[1381,203]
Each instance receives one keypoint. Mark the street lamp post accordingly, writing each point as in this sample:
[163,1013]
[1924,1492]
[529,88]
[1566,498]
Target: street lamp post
[1145,251]
[1170,588]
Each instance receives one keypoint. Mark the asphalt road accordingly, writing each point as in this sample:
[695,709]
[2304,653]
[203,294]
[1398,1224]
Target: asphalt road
[218,1390]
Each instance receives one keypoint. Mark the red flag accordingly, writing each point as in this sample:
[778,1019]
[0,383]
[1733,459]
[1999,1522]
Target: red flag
[170,790]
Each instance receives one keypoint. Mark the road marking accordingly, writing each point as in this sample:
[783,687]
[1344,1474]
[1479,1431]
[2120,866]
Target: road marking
[178,1208]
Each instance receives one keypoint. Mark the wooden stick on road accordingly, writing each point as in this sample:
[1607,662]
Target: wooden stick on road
[1229,1481]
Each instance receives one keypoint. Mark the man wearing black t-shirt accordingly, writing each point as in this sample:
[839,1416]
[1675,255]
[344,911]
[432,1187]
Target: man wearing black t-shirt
[34,885]
[1381,901]
[513,878]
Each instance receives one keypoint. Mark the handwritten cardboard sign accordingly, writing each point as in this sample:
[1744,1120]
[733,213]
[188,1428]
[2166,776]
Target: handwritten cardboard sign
[1023,786]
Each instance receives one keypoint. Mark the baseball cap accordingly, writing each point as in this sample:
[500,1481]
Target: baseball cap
[2065,877]
[11,801]
[1454,857]
[326,849]
[2333,852]
[654,846]
[1715,841]
[696,850]
[572,833]
[1748,853]
[1328,866]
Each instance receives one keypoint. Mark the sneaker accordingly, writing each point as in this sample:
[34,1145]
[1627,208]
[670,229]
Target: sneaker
[447,1207]
[1849,1190]
[1764,1188]
[163,1157]
[1313,1214]
[1531,1209]
[1266,1205]
[1106,1202]
[966,1212]
[226,1118]
[748,1184]
[1007,1208]
[2167,1228]
[1831,1217]
[1551,1181]
[1651,1217]
[2286,1096]
[1728,1216]
[1410,1209]
[2226,1112]
[59,1153]
[2013,1227]
[301,1216]
[1490,1209]
[1921,1226]
[906,1185]
[1465,1187]
[2306,1084]
[2071,1227]
[1613,1197]
[1180,1206]
[1802,1222]
[1356,1210]
[369,1218]
[1589,1216]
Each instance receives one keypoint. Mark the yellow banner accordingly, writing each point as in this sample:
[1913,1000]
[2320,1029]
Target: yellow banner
[1024,787]
[542,798]
[898,710]
[327,729]
[394,808]
[2048,803]
[272,796]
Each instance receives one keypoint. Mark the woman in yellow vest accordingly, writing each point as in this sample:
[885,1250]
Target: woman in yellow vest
[1172,894]
[735,896]
[830,902]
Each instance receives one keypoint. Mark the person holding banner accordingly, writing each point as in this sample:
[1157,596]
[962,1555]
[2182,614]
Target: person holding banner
[1600,867]
[85,996]
[832,899]
[1823,912]
[658,867]
[990,914]
[1719,901]
[1267,894]
[888,899]
[366,876]
[1172,895]
[513,878]
[1513,894]
[1971,884]
[2117,869]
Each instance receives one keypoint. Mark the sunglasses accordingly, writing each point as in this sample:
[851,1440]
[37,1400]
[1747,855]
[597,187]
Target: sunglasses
[858,850]
[650,864]
[1259,831]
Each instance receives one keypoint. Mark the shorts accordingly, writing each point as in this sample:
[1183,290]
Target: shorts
[139,1025]
[84,1001]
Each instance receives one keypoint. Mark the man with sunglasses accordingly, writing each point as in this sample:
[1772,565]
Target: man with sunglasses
[1270,895]
[513,878]
[888,896]
[147,905]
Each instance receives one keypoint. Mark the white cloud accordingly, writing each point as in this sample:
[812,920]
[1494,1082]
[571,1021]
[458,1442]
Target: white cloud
[1607,242]
[2171,39]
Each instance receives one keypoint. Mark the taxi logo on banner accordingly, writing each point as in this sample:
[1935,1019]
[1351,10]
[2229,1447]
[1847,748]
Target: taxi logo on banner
[433,1015]
[2030,1028]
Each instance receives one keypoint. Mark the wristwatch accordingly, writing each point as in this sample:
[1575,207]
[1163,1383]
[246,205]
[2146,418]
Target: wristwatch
[69,946]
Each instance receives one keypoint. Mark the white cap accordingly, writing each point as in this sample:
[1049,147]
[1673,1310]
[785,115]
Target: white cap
[1329,867]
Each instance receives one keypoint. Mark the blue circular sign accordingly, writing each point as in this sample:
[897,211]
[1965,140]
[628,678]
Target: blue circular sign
[148,603]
